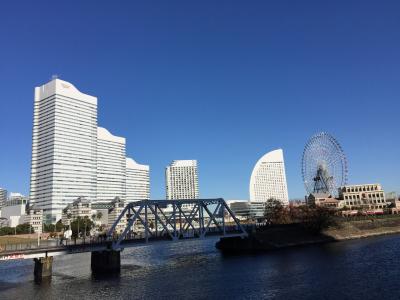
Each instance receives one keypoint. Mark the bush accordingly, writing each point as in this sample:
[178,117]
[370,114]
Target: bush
[317,218]
[7,231]
[24,229]
[49,227]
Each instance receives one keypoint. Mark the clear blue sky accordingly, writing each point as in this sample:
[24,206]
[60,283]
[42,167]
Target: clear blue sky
[222,82]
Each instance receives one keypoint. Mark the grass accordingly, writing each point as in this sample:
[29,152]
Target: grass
[6,239]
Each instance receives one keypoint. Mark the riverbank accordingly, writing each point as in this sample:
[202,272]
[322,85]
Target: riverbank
[289,235]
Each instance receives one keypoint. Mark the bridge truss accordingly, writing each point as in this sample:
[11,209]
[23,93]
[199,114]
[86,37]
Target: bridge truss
[152,220]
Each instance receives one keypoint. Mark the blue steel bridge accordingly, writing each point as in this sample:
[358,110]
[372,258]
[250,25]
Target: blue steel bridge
[139,223]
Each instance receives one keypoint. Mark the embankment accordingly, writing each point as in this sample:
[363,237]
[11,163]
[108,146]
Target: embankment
[289,235]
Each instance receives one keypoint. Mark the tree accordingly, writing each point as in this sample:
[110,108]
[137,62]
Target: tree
[275,212]
[24,229]
[59,226]
[81,226]
[49,227]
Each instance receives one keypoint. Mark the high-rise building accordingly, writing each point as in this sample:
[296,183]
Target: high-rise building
[64,147]
[111,166]
[268,179]
[72,157]
[137,181]
[181,180]
[3,197]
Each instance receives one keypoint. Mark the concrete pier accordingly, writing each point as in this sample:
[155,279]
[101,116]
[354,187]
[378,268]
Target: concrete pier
[43,268]
[106,262]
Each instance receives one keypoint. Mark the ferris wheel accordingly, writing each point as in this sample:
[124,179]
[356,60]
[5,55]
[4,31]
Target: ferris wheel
[324,165]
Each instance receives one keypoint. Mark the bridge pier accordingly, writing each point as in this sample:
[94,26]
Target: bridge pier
[43,268]
[105,262]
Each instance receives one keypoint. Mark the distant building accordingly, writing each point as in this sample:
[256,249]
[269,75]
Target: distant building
[3,197]
[364,196]
[323,200]
[16,199]
[34,217]
[111,166]
[181,180]
[137,181]
[18,211]
[245,210]
[268,179]
[117,206]
[14,211]
[81,208]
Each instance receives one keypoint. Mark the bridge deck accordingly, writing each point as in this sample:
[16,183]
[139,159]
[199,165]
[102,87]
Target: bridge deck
[81,247]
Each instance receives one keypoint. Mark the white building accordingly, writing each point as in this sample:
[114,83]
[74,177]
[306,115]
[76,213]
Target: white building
[117,206]
[34,217]
[14,213]
[81,208]
[72,157]
[111,166]
[137,181]
[181,180]
[268,179]
[64,147]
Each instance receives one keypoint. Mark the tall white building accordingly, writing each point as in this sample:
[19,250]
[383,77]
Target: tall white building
[111,166]
[268,179]
[64,147]
[72,157]
[137,181]
[181,180]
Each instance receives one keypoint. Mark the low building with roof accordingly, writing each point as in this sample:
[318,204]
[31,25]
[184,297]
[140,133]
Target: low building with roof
[323,200]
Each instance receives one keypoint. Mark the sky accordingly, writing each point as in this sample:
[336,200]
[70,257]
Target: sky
[222,82]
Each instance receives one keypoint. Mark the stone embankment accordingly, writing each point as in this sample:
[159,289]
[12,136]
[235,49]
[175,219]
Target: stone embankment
[289,235]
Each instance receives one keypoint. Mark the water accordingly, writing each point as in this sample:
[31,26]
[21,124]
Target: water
[359,269]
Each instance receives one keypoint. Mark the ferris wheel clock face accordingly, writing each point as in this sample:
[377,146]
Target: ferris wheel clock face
[324,165]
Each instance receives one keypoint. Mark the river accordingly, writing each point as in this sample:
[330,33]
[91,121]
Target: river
[358,269]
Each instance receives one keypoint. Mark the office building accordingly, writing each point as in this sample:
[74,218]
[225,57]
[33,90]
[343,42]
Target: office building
[34,217]
[16,199]
[137,181]
[3,197]
[111,166]
[363,196]
[268,179]
[117,206]
[246,210]
[181,180]
[72,157]
[64,147]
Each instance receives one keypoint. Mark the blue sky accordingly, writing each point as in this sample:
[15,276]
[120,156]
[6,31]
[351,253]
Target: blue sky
[222,82]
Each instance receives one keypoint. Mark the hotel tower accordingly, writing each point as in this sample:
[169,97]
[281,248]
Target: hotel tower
[71,156]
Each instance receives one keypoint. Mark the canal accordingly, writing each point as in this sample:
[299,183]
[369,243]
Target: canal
[358,269]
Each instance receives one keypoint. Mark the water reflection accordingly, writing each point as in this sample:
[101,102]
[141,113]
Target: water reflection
[195,269]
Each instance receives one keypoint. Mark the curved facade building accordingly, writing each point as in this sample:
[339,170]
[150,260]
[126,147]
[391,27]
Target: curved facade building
[64,146]
[268,179]
[137,181]
[111,166]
